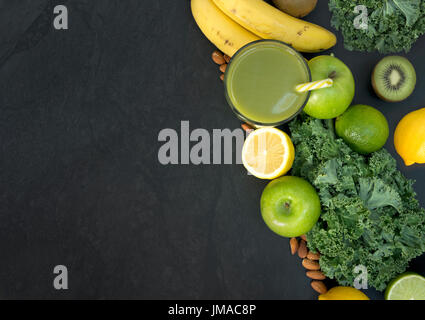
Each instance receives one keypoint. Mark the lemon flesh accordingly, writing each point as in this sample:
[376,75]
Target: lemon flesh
[268,153]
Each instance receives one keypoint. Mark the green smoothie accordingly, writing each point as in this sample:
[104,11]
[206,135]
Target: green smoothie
[260,83]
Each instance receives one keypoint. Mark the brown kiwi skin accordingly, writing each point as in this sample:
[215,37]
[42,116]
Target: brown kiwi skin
[296,8]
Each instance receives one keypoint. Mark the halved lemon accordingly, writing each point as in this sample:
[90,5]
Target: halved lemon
[268,153]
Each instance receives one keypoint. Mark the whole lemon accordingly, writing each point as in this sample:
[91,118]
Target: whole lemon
[343,293]
[409,137]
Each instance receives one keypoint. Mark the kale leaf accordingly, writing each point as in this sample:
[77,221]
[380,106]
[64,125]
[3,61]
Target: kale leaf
[393,25]
[376,194]
[409,8]
[370,214]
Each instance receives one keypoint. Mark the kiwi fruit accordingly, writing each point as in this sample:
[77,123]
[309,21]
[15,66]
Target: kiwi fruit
[394,79]
[296,8]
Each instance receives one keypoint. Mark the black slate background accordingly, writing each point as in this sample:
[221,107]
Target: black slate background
[80,182]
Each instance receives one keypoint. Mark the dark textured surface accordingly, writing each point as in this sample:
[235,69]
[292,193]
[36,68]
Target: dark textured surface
[80,183]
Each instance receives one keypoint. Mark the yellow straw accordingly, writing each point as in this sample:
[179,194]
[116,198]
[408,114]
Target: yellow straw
[320,84]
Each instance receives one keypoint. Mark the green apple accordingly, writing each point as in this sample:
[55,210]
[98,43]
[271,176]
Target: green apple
[290,206]
[328,103]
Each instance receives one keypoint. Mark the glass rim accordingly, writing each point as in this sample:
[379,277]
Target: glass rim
[245,118]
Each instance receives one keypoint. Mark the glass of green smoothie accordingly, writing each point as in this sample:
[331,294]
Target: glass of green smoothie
[260,83]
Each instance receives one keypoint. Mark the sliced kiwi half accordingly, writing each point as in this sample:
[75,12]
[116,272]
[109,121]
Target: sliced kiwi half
[394,78]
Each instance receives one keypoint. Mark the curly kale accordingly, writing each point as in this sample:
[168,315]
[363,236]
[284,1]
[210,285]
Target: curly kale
[393,25]
[370,215]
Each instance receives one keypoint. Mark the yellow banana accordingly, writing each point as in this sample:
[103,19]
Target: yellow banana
[270,23]
[226,34]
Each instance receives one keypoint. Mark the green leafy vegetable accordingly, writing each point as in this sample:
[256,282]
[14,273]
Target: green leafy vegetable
[409,8]
[393,25]
[370,215]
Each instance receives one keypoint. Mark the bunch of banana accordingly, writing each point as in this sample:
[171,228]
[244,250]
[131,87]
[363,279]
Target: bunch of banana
[226,34]
[231,24]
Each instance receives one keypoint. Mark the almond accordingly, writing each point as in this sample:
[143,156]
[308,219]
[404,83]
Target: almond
[304,237]
[246,127]
[319,286]
[316,275]
[222,77]
[218,57]
[302,250]
[310,264]
[223,67]
[313,256]
[226,58]
[293,242]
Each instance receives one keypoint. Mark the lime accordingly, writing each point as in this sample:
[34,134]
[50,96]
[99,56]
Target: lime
[364,128]
[408,286]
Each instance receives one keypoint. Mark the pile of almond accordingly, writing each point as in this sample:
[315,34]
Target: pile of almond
[310,262]
[222,60]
